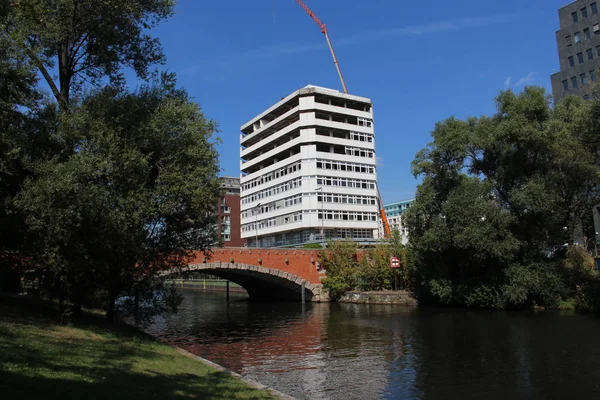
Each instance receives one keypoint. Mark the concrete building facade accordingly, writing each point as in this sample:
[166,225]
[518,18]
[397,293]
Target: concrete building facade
[228,210]
[578,42]
[307,166]
[394,213]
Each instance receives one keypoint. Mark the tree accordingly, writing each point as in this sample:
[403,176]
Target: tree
[341,263]
[132,202]
[498,194]
[87,42]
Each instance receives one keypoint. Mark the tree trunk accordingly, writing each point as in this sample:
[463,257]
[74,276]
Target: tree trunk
[110,309]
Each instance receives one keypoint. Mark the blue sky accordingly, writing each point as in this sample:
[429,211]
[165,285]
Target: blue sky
[420,62]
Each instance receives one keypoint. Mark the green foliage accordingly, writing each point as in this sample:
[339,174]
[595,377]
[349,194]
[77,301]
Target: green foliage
[497,194]
[312,246]
[375,272]
[103,188]
[134,200]
[69,37]
[342,266]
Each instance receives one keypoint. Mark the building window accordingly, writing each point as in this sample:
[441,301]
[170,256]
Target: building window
[575,17]
[226,237]
[586,33]
[568,41]
[594,8]
[583,79]
[565,85]
[574,82]
[593,76]
[598,51]
[583,13]
[596,29]
[580,58]
[577,37]
[590,54]
[572,60]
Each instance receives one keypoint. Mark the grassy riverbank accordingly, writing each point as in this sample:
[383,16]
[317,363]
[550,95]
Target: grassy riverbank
[42,358]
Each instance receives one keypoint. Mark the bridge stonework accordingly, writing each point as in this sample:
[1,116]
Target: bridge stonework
[266,273]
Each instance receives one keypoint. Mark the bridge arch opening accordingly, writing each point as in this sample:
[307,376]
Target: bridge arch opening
[262,283]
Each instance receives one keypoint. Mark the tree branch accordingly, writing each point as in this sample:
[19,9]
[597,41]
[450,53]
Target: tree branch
[45,73]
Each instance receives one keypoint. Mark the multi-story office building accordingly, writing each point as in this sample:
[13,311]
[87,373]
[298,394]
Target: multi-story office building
[578,41]
[228,210]
[394,213]
[308,165]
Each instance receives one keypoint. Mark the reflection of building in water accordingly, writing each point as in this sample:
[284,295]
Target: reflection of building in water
[302,355]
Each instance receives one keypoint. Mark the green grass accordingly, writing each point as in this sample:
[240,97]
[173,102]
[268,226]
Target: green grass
[40,358]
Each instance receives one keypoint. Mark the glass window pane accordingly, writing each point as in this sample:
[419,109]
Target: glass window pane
[574,16]
[574,81]
[586,33]
[593,76]
[577,37]
[584,12]
[594,8]
[583,79]
[565,85]
[590,54]
[580,58]
[572,60]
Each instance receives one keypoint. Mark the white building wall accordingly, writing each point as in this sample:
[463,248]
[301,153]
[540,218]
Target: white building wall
[265,212]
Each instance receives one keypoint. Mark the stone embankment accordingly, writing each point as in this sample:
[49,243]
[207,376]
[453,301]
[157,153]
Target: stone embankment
[384,297]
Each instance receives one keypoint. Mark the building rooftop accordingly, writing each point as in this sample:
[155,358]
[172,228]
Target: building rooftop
[308,89]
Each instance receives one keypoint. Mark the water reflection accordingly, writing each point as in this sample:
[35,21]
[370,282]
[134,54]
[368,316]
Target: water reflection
[323,351]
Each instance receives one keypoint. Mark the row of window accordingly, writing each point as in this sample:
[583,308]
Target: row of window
[361,137]
[358,136]
[586,35]
[358,152]
[288,169]
[283,187]
[584,13]
[580,57]
[298,237]
[364,122]
[346,166]
[271,222]
[272,206]
[345,182]
[575,81]
[348,216]
[347,199]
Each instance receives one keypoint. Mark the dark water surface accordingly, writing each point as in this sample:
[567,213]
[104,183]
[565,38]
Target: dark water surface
[347,351]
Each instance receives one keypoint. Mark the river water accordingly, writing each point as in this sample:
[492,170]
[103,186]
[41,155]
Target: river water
[348,351]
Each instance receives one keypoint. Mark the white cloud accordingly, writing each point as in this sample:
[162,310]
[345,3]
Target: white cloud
[362,38]
[526,80]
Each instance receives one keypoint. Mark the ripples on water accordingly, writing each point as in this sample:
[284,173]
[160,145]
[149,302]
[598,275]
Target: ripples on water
[330,351]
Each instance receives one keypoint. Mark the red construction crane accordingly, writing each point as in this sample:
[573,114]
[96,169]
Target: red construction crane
[386,226]
[324,31]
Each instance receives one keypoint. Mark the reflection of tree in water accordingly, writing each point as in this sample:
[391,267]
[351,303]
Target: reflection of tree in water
[497,355]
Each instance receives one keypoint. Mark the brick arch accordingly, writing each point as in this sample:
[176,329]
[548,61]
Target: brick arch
[263,283]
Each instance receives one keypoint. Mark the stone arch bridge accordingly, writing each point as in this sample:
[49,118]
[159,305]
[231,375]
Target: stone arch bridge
[266,274]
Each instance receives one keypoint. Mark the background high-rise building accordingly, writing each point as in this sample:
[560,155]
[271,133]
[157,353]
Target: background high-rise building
[307,164]
[228,210]
[578,41]
[394,213]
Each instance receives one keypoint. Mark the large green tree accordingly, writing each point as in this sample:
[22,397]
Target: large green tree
[111,187]
[499,194]
[133,201]
[77,43]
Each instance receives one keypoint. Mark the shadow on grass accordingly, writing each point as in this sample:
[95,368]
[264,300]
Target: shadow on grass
[124,385]
[86,359]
